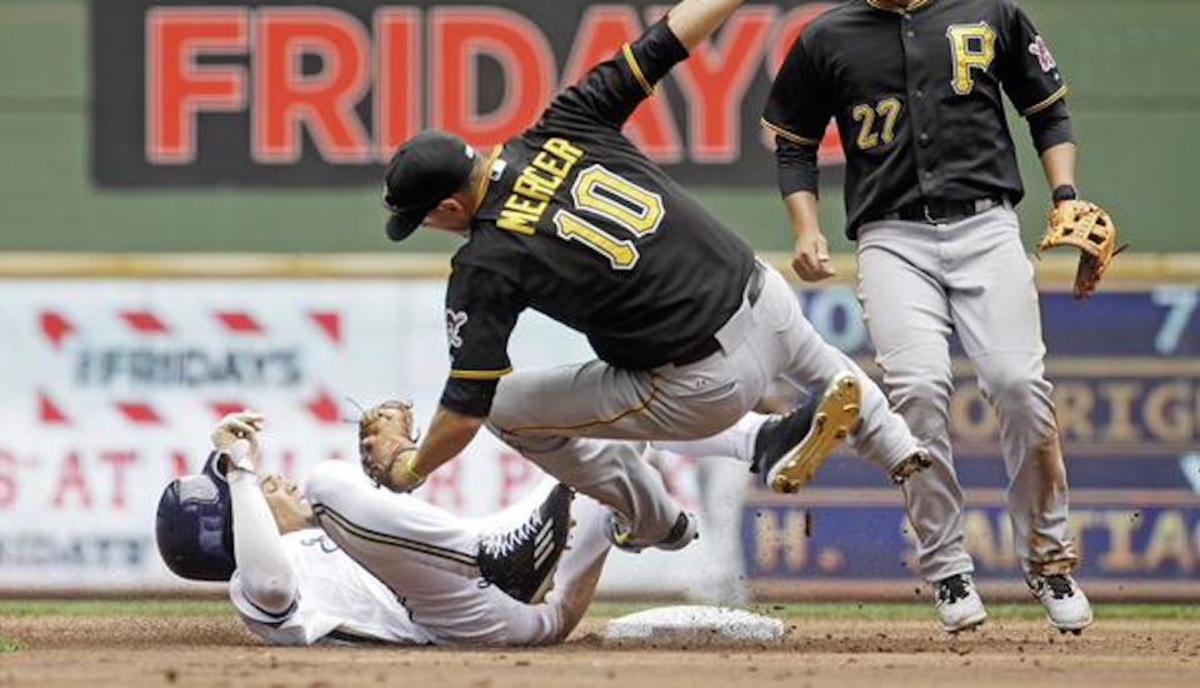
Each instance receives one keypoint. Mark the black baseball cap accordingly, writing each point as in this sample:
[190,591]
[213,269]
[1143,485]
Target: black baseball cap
[429,168]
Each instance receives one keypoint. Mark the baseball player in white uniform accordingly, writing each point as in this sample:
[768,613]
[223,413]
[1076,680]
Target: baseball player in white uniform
[345,562]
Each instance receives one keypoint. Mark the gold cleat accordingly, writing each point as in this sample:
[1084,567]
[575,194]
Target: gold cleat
[836,416]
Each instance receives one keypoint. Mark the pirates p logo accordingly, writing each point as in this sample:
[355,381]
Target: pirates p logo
[972,47]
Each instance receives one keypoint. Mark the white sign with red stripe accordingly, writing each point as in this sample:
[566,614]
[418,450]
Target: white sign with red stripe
[111,387]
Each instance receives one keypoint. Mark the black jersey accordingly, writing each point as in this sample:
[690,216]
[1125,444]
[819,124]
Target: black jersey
[578,224]
[917,98]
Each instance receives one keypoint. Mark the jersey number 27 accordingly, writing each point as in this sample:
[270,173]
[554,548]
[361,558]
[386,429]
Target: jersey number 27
[602,194]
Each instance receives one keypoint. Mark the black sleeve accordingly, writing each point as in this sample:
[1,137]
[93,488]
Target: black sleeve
[613,89]
[799,107]
[797,165]
[1051,126]
[481,310]
[1027,67]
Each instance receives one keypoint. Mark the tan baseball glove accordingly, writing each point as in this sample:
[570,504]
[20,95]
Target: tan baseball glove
[387,442]
[1089,228]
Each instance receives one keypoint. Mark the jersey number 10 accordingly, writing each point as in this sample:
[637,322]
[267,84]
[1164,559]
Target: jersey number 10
[601,193]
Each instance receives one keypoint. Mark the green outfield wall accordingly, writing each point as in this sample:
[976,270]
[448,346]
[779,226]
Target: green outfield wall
[1134,68]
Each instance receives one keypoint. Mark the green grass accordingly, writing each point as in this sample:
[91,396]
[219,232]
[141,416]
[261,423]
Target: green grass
[7,646]
[154,608]
[604,610]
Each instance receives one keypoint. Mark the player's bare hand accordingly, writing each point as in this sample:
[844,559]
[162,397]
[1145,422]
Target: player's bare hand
[387,446]
[811,260]
[243,425]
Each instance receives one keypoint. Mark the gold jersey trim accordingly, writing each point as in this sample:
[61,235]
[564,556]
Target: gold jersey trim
[1054,98]
[482,189]
[480,374]
[794,138]
[637,69]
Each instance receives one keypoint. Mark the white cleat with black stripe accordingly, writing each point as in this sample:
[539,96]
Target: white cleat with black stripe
[1067,608]
[958,604]
[522,561]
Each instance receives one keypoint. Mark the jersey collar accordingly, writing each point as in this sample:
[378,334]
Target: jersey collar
[484,183]
[915,6]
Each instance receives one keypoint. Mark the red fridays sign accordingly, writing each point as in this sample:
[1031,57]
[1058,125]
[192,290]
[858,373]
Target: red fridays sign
[295,94]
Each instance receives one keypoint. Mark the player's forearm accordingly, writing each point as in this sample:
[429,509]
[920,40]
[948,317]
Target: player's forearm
[692,21]
[1059,164]
[449,433]
[802,207]
[268,578]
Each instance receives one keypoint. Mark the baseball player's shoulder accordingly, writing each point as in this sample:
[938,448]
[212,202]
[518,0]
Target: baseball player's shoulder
[489,249]
[1002,8]
[830,24]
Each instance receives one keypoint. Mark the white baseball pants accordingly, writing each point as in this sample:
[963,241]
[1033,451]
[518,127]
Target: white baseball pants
[426,556]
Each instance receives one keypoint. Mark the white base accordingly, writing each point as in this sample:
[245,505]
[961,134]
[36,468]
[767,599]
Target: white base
[695,625]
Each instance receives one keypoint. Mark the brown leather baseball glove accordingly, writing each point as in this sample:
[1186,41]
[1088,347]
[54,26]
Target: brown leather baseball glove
[386,434]
[1089,228]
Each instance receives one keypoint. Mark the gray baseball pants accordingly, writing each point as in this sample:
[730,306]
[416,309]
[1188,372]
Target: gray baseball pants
[565,418]
[919,282]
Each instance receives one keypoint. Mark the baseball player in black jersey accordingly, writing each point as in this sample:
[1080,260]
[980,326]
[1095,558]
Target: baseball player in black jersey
[689,329]
[931,178]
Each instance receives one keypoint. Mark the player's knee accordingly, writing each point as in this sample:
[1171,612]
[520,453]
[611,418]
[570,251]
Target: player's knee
[926,386]
[922,400]
[713,425]
[328,479]
[1012,388]
[1022,399]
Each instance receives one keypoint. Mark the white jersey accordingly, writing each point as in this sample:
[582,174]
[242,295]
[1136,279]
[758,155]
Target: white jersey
[337,601]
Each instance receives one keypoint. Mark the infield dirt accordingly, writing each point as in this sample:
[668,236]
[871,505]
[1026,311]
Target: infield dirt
[218,651]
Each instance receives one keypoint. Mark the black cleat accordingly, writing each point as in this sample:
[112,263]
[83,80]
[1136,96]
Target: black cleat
[522,561]
[789,450]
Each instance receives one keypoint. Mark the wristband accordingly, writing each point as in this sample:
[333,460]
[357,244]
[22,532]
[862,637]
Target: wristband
[1065,192]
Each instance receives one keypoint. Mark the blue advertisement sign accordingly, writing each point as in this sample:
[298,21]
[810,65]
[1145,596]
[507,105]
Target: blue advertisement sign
[1126,373]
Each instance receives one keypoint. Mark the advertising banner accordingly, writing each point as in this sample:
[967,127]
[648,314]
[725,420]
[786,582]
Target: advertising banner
[111,387]
[1128,405]
[291,93]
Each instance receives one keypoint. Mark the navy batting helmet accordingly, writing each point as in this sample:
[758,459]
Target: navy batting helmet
[195,525]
